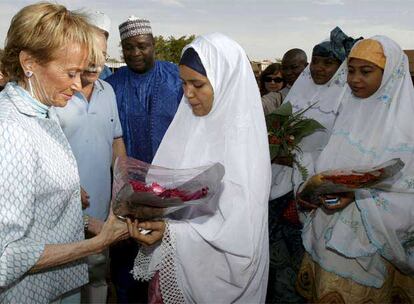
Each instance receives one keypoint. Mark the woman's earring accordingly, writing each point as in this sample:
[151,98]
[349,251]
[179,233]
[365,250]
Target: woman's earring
[29,74]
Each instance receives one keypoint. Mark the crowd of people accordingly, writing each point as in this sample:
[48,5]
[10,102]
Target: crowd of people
[65,119]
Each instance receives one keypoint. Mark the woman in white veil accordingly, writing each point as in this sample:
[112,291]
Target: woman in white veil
[363,250]
[321,87]
[217,254]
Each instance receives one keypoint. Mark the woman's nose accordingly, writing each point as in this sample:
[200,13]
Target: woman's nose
[354,78]
[318,67]
[188,92]
[77,84]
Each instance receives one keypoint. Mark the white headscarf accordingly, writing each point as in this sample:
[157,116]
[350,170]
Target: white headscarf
[221,255]
[369,131]
[326,100]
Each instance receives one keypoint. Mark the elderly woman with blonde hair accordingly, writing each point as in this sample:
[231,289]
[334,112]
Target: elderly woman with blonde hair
[42,232]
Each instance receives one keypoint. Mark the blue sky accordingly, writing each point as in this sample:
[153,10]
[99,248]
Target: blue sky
[265,28]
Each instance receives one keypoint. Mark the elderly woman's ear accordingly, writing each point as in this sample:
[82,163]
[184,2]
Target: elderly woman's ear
[27,61]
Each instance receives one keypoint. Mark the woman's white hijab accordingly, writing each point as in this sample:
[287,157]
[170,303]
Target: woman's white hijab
[326,100]
[221,254]
[379,225]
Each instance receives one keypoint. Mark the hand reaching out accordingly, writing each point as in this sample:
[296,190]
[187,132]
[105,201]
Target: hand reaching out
[113,230]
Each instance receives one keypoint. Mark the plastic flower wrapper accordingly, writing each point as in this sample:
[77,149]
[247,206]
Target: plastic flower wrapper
[349,180]
[146,192]
[285,132]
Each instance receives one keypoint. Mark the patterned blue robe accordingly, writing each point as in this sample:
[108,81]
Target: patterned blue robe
[146,104]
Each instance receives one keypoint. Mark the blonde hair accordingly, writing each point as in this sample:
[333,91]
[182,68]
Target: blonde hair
[42,29]
[98,34]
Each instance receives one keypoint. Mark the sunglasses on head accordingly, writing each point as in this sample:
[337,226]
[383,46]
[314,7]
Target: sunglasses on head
[275,79]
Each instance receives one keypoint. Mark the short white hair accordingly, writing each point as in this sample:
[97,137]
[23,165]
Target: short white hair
[100,20]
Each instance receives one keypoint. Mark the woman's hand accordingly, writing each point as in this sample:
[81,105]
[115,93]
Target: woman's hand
[344,199]
[84,198]
[157,231]
[113,230]
[95,226]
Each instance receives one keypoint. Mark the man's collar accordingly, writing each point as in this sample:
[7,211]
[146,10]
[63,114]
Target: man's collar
[98,85]
[145,73]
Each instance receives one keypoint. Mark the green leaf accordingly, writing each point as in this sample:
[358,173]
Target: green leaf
[285,147]
[274,150]
[285,109]
[303,171]
[307,127]
[270,118]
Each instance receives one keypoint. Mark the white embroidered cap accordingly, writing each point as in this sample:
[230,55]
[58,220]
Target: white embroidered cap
[134,26]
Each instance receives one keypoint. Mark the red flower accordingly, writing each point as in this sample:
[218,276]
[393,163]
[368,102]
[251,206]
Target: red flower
[276,124]
[354,180]
[168,193]
[274,140]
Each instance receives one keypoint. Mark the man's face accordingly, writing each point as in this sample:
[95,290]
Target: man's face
[92,72]
[139,53]
[291,68]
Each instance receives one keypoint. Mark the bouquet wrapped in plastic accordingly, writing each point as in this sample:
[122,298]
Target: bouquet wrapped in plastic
[143,191]
[349,180]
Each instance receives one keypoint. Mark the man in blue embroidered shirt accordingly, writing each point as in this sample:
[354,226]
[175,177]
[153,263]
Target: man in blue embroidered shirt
[91,124]
[148,93]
